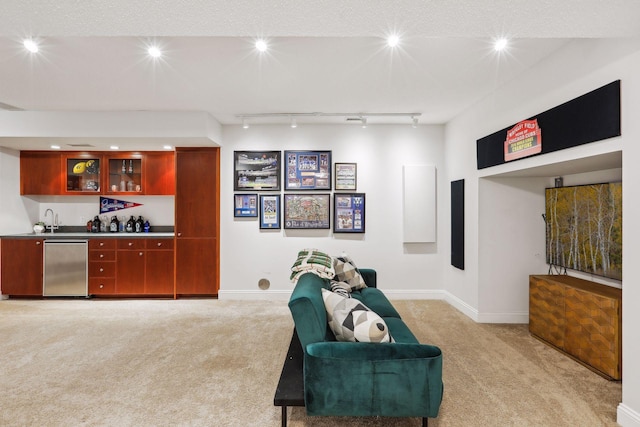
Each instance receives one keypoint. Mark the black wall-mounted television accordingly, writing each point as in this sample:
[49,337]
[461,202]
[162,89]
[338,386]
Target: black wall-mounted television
[584,228]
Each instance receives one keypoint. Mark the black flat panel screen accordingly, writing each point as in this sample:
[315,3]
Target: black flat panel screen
[457,224]
[591,117]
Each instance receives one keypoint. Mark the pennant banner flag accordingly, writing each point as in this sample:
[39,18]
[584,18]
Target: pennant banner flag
[112,205]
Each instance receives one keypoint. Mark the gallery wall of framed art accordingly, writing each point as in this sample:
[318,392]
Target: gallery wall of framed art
[300,208]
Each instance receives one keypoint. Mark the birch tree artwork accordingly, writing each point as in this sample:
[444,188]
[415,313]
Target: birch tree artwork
[584,228]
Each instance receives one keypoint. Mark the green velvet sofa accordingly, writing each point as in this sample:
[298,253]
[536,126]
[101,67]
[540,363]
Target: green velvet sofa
[400,379]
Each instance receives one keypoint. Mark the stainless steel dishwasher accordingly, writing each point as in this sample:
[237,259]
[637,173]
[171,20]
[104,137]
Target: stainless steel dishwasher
[65,268]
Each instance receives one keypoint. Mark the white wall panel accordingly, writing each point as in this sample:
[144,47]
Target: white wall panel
[419,203]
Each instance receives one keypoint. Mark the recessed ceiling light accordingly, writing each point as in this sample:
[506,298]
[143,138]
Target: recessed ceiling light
[393,40]
[114,147]
[55,147]
[500,44]
[30,45]
[154,52]
[261,45]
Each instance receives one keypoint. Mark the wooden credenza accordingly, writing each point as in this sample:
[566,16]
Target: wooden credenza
[580,318]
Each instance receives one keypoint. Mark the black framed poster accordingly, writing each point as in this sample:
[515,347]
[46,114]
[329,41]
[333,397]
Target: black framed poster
[245,205]
[348,215]
[306,211]
[270,211]
[256,170]
[307,170]
[346,176]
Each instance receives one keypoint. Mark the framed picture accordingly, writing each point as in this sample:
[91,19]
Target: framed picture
[348,215]
[270,211]
[245,205]
[307,170]
[346,176]
[306,211]
[256,170]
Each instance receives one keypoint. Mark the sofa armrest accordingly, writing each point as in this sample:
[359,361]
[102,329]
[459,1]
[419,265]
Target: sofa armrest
[367,379]
[307,309]
[370,276]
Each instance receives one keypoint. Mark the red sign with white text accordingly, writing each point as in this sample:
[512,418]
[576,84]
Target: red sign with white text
[524,139]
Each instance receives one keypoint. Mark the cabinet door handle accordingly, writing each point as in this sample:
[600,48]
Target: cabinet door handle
[101,243]
[159,244]
[101,286]
[130,243]
[37,243]
[101,269]
[140,254]
[179,234]
[101,255]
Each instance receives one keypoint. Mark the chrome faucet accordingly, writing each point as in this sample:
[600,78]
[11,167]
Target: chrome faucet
[54,220]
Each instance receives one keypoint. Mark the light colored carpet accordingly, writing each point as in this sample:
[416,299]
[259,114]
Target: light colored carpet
[217,363]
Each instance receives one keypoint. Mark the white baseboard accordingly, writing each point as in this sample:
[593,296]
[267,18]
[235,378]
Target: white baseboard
[409,294]
[461,306]
[392,294]
[627,417]
[516,318]
[269,295]
[479,317]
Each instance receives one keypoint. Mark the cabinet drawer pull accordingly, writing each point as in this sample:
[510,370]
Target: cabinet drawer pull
[140,254]
[101,243]
[101,255]
[37,243]
[101,286]
[159,244]
[130,243]
[101,269]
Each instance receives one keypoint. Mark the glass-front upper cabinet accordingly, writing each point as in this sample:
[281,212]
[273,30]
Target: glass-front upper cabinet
[125,175]
[82,173]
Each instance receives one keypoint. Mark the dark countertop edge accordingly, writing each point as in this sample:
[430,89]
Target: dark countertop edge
[84,236]
[80,232]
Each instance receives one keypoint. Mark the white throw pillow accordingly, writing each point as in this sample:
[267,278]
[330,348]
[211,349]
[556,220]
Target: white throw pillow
[351,320]
[347,272]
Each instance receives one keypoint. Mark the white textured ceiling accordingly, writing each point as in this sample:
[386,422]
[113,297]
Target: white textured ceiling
[325,55]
